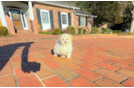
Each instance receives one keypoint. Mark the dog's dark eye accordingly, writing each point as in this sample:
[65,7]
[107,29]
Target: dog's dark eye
[63,39]
[67,39]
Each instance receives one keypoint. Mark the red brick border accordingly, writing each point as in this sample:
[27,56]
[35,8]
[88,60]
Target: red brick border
[17,40]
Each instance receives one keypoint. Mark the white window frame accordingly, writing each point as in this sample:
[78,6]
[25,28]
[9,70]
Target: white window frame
[84,21]
[64,25]
[45,17]
[43,10]
[64,19]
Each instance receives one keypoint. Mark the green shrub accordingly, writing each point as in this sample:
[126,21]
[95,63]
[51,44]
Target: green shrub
[57,31]
[110,31]
[3,31]
[72,28]
[79,30]
[51,30]
[69,29]
[117,31]
[39,26]
[45,32]
[84,31]
[95,30]
[106,30]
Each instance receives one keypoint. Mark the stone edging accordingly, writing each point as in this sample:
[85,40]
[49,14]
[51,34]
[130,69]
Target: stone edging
[19,40]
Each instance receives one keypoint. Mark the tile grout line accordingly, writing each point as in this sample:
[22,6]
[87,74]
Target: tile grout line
[6,75]
[114,80]
[36,74]
[48,77]
[16,80]
[54,72]
[76,73]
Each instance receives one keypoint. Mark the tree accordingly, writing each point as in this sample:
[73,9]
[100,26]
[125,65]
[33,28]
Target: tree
[106,11]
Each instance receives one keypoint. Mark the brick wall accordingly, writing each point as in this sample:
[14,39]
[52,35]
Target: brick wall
[55,10]
[10,25]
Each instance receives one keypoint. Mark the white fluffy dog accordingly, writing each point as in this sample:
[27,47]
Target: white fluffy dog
[64,46]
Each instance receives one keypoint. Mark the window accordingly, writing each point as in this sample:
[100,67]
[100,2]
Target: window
[64,19]
[45,17]
[82,21]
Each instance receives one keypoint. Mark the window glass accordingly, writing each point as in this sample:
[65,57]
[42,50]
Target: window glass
[45,17]
[64,19]
[82,21]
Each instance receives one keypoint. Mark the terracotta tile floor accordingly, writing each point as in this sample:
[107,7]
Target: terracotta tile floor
[95,62]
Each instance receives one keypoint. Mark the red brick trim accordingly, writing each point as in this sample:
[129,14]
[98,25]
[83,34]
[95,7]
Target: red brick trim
[18,40]
[10,25]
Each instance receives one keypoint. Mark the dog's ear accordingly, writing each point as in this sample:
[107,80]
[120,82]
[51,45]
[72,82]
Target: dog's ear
[70,36]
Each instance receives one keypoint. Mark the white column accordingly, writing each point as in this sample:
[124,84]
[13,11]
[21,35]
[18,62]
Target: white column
[2,15]
[132,23]
[72,17]
[31,10]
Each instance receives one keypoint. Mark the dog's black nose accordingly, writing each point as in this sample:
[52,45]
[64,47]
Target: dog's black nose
[65,41]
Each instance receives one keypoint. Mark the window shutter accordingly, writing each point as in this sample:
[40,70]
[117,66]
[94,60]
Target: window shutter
[86,21]
[59,19]
[39,17]
[79,21]
[51,18]
[69,19]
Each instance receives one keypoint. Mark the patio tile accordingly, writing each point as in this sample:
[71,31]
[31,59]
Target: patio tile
[15,55]
[107,66]
[91,61]
[59,60]
[53,65]
[15,59]
[129,82]
[74,60]
[5,63]
[23,72]
[110,74]
[88,66]
[44,72]
[7,81]
[18,64]
[4,58]
[70,65]
[6,70]
[54,82]
[65,73]
[121,61]
[45,60]
[81,82]
[85,73]
[126,72]
[105,82]
[30,81]
[37,54]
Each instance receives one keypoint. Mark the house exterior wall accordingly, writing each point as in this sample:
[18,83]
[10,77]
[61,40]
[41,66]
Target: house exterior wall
[55,10]
[0,22]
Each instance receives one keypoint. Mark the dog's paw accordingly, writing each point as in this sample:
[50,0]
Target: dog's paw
[62,56]
[68,57]
[55,55]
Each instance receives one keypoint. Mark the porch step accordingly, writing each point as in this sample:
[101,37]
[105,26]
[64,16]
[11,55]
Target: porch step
[25,32]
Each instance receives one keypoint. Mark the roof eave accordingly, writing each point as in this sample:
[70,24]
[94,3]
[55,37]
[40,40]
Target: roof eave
[93,16]
[83,15]
[57,4]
